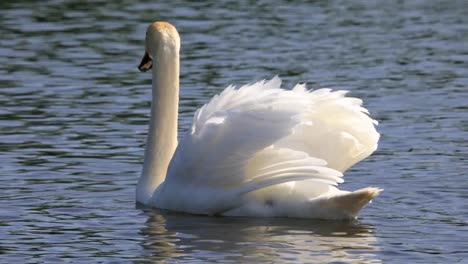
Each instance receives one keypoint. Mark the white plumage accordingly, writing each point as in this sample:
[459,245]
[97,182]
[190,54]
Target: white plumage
[260,150]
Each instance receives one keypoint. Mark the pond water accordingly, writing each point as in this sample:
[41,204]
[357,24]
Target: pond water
[74,114]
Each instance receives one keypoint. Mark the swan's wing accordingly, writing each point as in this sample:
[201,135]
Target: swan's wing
[230,131]
[336,129]
[274,165]
[259,135]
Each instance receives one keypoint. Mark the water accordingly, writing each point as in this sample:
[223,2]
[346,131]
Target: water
[74,113]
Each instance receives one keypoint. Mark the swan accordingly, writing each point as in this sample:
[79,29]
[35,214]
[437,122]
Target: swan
[255,151]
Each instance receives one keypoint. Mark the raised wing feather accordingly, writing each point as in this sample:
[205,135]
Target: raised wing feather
[274,165]
[336,129]
[231,129]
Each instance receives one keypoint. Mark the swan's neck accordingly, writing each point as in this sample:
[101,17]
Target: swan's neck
[162,135]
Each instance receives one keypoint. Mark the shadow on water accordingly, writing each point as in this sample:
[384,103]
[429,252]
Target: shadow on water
[171,236]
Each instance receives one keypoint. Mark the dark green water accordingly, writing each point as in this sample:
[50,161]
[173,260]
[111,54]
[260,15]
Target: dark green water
[74,113]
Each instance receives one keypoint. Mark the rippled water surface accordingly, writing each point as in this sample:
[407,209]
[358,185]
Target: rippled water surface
[74,114]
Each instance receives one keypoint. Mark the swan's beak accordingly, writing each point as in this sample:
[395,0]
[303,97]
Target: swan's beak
[146,63]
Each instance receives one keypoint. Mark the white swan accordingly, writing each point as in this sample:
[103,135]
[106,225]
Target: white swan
[254,151]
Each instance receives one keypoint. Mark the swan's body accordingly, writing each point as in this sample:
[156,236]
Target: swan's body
[254,151]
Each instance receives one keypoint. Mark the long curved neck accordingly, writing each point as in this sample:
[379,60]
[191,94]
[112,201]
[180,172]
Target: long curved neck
[162,135]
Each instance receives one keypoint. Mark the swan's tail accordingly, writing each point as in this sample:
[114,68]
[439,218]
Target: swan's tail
[350,204]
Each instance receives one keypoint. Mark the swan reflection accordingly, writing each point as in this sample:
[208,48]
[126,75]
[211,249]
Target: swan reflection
[174,237]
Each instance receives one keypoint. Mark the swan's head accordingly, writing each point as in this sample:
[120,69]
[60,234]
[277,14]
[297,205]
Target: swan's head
[162,39]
